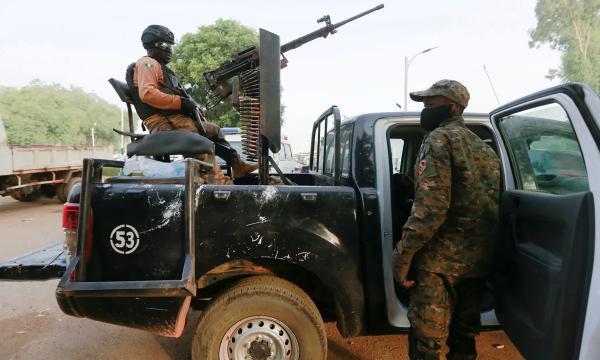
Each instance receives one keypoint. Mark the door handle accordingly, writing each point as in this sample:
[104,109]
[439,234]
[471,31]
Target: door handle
[221,195]
[136,193]
[309,197]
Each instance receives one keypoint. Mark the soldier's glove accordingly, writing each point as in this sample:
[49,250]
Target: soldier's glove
[187,106]
[402,262]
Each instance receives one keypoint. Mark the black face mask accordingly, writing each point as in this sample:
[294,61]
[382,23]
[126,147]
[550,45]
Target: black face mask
[162,56]
[433,116]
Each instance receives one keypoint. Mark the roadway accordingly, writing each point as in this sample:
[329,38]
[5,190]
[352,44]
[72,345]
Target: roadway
[33,327]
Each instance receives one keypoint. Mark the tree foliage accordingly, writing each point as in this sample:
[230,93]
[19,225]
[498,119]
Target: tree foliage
[51,114]
[572,27]
[205,50]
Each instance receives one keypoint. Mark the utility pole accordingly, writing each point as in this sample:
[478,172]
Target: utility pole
[94,135]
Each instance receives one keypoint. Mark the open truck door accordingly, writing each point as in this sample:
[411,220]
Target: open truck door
[548,289]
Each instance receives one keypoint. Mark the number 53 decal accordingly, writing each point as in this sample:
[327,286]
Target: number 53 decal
[124,239]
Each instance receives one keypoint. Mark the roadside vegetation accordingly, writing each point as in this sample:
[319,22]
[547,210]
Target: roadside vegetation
[573,28]
[50,114]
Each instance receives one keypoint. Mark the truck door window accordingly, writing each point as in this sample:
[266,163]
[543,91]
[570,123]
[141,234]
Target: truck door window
[329,154]
[396,148]
[320,135]
[544,150]
[345,144]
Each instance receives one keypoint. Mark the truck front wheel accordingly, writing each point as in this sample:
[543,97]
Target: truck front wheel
[261,317]
[27,194]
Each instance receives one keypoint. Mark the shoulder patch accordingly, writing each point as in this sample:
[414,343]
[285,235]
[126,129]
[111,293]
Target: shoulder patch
[422,167]
[148,65]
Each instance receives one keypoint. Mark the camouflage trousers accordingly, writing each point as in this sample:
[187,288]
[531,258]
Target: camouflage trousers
[180,122]
[444,308]
[213,132]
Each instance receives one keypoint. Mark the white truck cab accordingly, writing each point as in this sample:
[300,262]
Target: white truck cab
[284,158]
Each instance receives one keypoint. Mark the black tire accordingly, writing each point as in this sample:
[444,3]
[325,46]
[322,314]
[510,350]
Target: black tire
[63,190]
[267,301]
[49,190]
[26,194]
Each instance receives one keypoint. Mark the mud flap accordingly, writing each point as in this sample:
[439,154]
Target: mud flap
[45,263]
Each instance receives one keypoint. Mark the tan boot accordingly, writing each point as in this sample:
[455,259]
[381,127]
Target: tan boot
[241,168]
[220,178]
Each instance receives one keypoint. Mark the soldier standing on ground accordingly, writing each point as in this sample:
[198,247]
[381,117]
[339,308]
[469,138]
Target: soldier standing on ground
[161,102]
[449,236]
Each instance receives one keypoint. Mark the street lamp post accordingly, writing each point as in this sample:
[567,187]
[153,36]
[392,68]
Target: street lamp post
[407,63]
[94,135]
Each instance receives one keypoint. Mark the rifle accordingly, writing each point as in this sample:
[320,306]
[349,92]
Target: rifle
[199,117]
[248,59]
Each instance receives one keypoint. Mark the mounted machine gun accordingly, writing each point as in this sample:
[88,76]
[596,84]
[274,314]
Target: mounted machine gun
[252,80]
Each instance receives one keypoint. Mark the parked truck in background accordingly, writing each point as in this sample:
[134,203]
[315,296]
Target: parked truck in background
[29,171]
[284,158]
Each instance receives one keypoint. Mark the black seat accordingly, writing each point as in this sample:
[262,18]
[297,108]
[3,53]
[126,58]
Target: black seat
[122,90]
[174,142]
[124,93]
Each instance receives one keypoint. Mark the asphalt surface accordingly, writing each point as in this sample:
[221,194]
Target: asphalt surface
[33,327]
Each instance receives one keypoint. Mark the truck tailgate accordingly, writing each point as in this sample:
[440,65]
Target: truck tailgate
[134,263]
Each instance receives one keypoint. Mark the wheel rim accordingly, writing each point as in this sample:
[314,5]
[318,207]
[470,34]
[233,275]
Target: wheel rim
[259,338]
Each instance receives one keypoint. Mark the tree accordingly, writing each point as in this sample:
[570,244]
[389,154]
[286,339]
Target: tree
[205,50]
[51,114]
[572,27]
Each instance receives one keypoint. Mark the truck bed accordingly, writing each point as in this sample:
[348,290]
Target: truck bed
[156,240]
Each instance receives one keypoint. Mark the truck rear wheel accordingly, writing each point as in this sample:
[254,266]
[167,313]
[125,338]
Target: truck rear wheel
[63,190]
[48,190]
[261,317]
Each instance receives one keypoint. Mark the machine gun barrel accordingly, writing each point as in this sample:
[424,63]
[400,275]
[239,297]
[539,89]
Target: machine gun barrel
[325,30]
[248,58]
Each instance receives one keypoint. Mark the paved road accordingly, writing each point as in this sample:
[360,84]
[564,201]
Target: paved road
[33,327]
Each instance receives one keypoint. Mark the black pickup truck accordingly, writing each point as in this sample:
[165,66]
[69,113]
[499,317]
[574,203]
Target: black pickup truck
[268,264]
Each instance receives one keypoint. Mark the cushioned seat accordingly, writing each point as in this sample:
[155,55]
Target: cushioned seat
[171,143]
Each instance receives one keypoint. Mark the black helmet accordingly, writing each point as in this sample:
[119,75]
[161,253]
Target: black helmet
[156,33]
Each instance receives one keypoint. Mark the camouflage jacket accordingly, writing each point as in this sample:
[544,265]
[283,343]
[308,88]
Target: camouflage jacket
[455,210]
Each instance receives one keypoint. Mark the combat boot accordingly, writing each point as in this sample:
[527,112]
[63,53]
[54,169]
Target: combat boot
[461,348]
[241,168]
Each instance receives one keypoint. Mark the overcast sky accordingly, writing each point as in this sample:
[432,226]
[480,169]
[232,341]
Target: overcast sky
[360,69]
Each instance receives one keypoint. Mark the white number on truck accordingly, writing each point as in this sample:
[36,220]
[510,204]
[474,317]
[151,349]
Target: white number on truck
[124,239]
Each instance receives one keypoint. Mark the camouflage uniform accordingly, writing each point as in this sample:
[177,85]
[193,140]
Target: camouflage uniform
[448,237]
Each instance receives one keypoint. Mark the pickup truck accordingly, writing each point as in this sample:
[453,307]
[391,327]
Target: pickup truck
[267,265]
[28,171]
[284,158]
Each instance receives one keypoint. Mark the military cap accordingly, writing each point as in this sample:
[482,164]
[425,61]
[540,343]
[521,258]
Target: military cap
[450,89]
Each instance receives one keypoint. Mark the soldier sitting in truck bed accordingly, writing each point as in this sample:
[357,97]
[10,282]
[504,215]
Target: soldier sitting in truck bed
[162,103]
